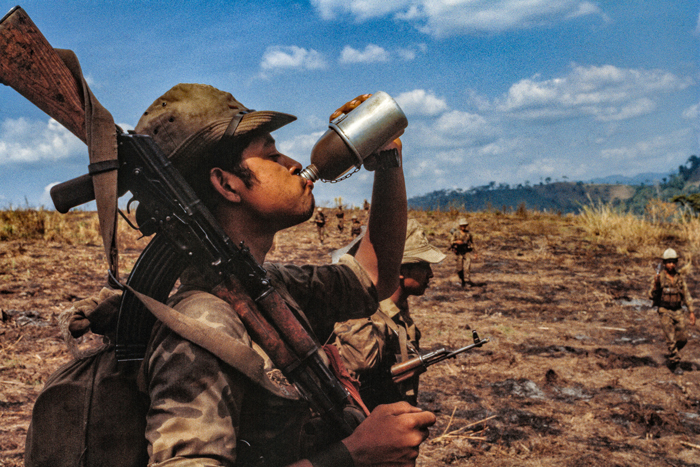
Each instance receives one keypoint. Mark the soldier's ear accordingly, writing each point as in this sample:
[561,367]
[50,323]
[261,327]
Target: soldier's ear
[226,184]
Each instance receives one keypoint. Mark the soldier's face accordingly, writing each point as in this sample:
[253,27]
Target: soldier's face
[279,194]
[415,277]
[670,265]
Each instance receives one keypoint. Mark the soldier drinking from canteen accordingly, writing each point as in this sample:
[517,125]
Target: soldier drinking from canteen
[205,412]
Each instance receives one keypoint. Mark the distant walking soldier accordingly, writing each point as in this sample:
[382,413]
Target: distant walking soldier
[355,227]
[320,221]
[669,293]
[340,215]
[462,244]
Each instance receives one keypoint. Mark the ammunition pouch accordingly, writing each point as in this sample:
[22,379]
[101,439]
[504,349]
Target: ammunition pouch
[670,298]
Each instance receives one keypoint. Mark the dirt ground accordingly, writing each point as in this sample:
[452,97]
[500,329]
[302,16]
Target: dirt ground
[574,374]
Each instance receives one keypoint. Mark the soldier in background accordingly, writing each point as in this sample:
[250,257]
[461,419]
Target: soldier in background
[355,227]
[365,205]
[669,293]
[462,244]
[340,215]
[370,346]
[320,221]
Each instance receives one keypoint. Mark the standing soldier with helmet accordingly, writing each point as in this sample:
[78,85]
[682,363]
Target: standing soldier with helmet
[669,292]
[320,221]
[340,215]
[355,226]
[462,244]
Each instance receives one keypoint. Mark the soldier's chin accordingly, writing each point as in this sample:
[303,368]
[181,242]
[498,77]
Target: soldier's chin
[310,211]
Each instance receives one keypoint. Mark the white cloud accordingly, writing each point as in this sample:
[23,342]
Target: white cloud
[24,141]
[692,112]
[291,57]
[371,54]
[453,129]
[406,54]
[454,17]
[360,9]
[299,147]
[45,199]
[375,54]
[656,148]
[606,93]
[421,102]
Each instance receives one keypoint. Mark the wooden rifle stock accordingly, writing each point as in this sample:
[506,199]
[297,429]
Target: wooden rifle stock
[30,66]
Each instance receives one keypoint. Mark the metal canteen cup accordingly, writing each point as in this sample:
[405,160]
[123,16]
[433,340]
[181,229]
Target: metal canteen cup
[354,136]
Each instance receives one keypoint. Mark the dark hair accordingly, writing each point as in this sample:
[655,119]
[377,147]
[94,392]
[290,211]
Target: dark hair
[226,156]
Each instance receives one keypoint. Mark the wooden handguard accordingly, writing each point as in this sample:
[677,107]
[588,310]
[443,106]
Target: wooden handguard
[262,332]
[30,66]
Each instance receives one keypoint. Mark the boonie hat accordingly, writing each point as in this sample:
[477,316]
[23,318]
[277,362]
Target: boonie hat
[670,253]
[462,221]
[191,118]
[417,248]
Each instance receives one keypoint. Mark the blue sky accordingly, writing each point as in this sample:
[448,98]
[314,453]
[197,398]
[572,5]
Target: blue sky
[494,90]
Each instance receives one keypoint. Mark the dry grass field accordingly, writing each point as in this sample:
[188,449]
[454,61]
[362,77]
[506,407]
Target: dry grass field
[574,374]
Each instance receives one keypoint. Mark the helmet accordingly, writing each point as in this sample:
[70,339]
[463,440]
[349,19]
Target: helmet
[462,221]
[670,253]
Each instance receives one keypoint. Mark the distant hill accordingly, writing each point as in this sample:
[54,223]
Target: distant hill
[559,196]
[648,178]
[629,193]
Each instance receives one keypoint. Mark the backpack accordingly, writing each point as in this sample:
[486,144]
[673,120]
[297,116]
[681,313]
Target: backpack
[90,411]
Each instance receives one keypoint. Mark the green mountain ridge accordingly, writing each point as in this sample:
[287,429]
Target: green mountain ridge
[564,197]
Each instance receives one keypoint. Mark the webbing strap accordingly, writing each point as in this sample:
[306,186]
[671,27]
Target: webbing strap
[224,346]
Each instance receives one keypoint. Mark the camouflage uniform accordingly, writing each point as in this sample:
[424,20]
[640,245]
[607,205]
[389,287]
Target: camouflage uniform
[669,293]
[340,215]
[320,221]
[204,412]
[463,259]
[370,346]
[356,228]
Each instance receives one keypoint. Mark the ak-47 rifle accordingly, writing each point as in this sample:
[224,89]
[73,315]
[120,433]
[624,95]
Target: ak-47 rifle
[417,365]
[186,233]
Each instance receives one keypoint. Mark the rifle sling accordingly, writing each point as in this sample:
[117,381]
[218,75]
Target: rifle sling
[101,138]
[400,332]
[228,349]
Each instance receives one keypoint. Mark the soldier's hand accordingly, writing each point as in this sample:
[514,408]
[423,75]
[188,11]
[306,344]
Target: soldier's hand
[691,319]
[348,106]
[390,435]
[351,105]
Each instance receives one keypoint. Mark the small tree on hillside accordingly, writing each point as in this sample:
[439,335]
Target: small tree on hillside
[691,201]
